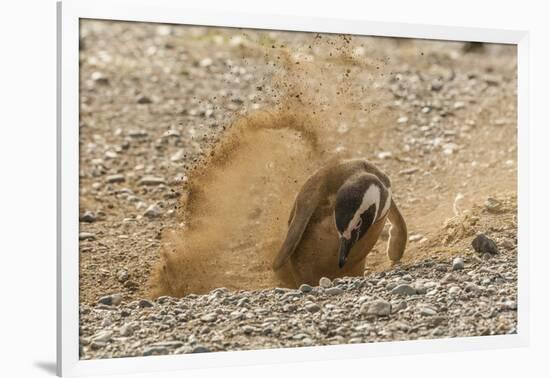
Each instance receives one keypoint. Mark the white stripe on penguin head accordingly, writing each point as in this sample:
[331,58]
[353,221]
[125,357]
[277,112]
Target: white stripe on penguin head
[371,196]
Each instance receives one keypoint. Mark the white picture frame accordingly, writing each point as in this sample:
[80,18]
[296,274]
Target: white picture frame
[171,11]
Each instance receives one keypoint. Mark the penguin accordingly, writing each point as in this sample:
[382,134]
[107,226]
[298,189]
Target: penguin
[335,221]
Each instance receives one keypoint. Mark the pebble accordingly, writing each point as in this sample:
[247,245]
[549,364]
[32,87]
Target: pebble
[206,62]
[378,307]
[210,317]
[409,171]
[493,205]
[383,155]
[144,100]
[115,179]
[102,336]
[138,134]
[153,211]
[403,290]
[122,275]
[459,105]
[248,330]
[436,85]
[507,244]
[151,181]
[334,291]
[415,237]
[126,330]
[200,349]
[305,288]
[510,305]
[145,303]
[454,290]
[95,345]
[472,288]
[483,244]
[458,263]
[427,311]
[313,307]
[155,351]
[86,236]
[88,217]
[325,282]
[111,300]
[178,156]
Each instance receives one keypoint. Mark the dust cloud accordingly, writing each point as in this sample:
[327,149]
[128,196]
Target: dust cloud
[238,198]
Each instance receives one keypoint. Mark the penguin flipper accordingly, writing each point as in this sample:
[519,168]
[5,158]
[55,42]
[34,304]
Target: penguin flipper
[305,205]
[398,234]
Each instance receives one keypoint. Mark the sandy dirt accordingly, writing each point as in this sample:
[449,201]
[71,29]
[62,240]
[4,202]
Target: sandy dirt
[438,117]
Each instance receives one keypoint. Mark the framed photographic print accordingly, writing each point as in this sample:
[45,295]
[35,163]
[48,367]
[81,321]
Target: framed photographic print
[241,189]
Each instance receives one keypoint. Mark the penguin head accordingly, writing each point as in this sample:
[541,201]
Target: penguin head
[357,203]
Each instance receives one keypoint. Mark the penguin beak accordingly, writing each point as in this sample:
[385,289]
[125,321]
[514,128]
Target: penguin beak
[345,247]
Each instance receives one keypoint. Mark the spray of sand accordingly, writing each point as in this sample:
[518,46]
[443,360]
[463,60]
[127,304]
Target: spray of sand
[238,198]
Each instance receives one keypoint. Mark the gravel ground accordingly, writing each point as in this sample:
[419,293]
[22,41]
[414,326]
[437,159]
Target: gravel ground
[154,96]
[472,294]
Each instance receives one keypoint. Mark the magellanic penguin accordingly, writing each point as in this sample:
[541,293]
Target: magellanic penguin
[336,220]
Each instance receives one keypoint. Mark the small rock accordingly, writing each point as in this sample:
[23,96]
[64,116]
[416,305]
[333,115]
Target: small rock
[210,317]
[248,330]
[151,181]
[178,156]
[145,303]
[428,311]
[507,244]
[402,119]
[126,330]
[409,171]
[404,290]
[305,288]
[122,275]
[384,155]
[153,211]
[483,244]
[95,345]
[420,288]
[138,133]
[472,288]
[200,349]
[313,307]
[111,155]
[115,179]
[206,62]
[493,205]
[88,217]
[454,290]
[415,237]
[102,336]
[459,105]
[111,300]
[325,282]
[86,236]
[441,267]
[334,291]
[458,263]
[436,85]
[169,344]
[144,100]
[155,351]
[378,307]
[99,78]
